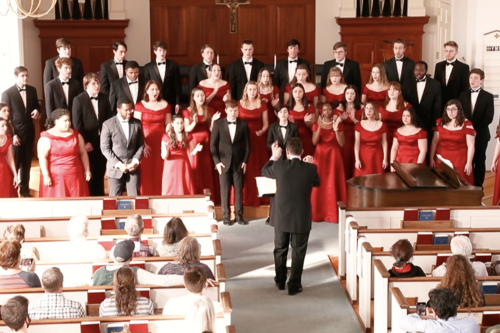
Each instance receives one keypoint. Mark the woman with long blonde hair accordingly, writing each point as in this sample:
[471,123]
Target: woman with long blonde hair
[376,88]
[335,87]
[269,94]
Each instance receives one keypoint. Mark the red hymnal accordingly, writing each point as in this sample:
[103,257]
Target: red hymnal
[140,264]
[141,203]
[490,318]
[483,257]
[108,223]
[442,214]
[95,296]
[148,223]
[441,258]
[144,292]
[108,204]
[97,265]
[90,327]
[138,326]
[410,215]
[424,238]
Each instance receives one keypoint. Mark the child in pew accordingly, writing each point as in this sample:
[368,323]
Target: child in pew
[188,255]
[462,245]
[11,276]
[195,280]
[461,280]
[125,301]
[174,232]
[201,316]
[123,252]
[402,251]
[16,232]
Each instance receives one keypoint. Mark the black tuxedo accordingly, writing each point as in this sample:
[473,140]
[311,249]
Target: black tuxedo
[481,117]
[120,89]
[25,130]
[197,73]
[351,72]
[50,72]
[171,88]
[274,134]
[54,95]
[232,155]
[291,214]
[458,82]
[85,121]
[406,72]
[237,76]
[281,73]
[108,74]
[429,107]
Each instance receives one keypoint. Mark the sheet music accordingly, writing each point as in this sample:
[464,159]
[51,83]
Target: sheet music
[266,186]
[443,160]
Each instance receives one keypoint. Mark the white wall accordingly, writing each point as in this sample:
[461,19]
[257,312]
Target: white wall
[10,50]
[327,29]
[138,32]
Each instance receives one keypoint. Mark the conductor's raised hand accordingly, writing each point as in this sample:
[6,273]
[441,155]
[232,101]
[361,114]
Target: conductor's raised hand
[276,150]
[308,159]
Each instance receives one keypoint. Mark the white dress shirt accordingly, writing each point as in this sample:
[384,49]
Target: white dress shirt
[161,70]
[283,130]
[473,98]
[449,69]
[399,67]
[292,67]
[232,130]
[341,67]
[134,89]
[421,88]
[22,92]
[248,67]
[124,123]
[119,68]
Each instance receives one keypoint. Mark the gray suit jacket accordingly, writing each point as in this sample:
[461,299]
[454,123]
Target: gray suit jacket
[115,147]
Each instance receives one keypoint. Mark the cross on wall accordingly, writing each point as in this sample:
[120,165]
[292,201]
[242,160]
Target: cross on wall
[233,6]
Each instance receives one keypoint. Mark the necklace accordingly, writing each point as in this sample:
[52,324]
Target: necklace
[407,129]
[324,122]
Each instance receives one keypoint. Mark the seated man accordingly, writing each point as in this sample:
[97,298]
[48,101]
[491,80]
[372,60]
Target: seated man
[134,227]
[15,314]
[195,280]
[462,245]
[122,255]
[53,305]
[441,316]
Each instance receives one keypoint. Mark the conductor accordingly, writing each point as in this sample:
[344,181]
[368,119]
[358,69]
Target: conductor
[291,210]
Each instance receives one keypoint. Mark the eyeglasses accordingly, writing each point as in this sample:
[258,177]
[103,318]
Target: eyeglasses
[451,109]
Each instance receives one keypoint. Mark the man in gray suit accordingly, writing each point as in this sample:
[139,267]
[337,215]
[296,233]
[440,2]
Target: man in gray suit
[122,143]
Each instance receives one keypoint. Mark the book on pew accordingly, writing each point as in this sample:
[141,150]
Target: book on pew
[138,326]
[141,203]
[425,215]
[108,223]
[440,239]
[461,233]
[410,214]
[483,257]
[148,222]
[441,258]
[96,296]
[144,292]
[121,225]
[124,205]
[115,328]
[90,327]
[489,287]
[443,214]
[490,318]
[109,204]
[106,242]
[424,238]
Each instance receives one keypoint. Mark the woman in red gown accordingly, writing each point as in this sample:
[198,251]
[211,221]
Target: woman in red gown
[335,87]
[177,176]
[328,138]
[494,169]
[199,123]
[8,170]
[269,94]
[454,139]
[410,141]
[376,88]
[217,91]
[391,111]
[64,163]
[349,111]
[303,77]
[370,148]
[155,114]
[5,114]
[302,114]
[254,112]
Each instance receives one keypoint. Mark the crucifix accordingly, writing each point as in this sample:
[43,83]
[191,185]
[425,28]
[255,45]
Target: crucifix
[232,5]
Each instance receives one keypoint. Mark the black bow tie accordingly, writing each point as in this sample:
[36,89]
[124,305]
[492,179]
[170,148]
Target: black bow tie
[341,65]
[119,63]
[293,61]
[283,126]
[206,66]
[248,63]
[94,98]
[231,122]
[132,82]
[475,91]
[450,63]
[162,63]
[63,83]
[22,89]
[422,79]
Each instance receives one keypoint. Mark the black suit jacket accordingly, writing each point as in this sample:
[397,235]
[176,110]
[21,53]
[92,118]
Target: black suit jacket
[483,113]
[352,74]
[50,72]
[225,151]
[54,95]
[19,114]
[119,89]
[237,76]
[406,73]
[274,134]
[429,108]
[281,73]
[291,208]
[197,73]
[171,88]
[108,74]
[84,119]
[458,82]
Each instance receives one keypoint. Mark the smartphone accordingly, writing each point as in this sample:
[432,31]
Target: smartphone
[27,262]
[421,308]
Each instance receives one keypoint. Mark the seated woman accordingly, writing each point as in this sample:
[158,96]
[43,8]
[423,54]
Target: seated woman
[402,251]
[462,245]
[188,255]
[12,276]
[201,316]
[174,232]
[126,300]
[460,278]
[16,232]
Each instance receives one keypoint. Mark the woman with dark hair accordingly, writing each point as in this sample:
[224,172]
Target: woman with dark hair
[126,301]
[301,113]
[335,87]
[64,163]
[376,88]
[217,90]
[174,232]
[8,171]
[155,113]
[269,94]
[461,280]
[5,114]
[453,139]
[11,276]
[402,251]
[303,77]
[410,140]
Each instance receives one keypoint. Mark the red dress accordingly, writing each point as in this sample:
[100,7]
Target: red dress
[258,154]
[309,95]
[348,148]
[332,189]
[153,127]
[202,163]
[371,154]
[305,133]
[392,120]
[335,99]
[271,116]
[217,104]
[452,146]
[408,146]
[65,168]
[177,176]
[7,189]
[374,96]
[496,190]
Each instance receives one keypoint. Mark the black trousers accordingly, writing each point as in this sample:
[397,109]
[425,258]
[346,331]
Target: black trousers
[299,249]
[97,163]
[23,155]
[479,161]
[231,178]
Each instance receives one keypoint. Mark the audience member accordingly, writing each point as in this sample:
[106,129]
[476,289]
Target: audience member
[462,245]
[402,251]
[61,91]
[126,300]
[64,49]
[440,317]
[113,69]
[12,276]
[130,86]
[53,305]
[16,232]
[348,67]
[15,314]
[201,316]
[174,232]
[134,226]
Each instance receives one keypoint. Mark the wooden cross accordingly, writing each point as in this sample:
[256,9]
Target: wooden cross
[232,5]
[496,35]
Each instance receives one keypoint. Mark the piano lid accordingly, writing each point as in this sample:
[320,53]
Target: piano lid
[415,175]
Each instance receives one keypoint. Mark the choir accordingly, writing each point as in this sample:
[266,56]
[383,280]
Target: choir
[222,138]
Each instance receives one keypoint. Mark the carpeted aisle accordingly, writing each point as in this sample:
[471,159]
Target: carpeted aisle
[259,307]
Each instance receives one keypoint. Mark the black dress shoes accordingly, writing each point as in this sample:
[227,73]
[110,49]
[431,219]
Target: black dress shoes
[280,285]
[294,290]
[226,221]
[241,220]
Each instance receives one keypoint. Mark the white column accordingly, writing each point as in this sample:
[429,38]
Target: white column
[416,8]
[116,10]
[347,8]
